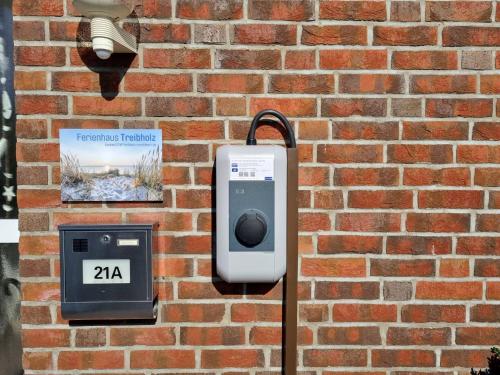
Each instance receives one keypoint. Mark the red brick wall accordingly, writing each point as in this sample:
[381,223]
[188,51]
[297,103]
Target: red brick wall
[395,105]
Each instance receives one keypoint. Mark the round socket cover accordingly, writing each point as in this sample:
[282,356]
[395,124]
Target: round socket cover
[251,228]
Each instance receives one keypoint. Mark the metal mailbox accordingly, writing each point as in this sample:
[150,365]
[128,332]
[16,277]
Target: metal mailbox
[106,272]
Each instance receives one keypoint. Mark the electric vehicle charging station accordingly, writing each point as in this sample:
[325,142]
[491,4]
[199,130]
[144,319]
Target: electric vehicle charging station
[257,219]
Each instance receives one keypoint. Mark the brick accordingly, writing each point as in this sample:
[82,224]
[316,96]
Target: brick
[324,267]
[335,357]
[140,82]
[414,153]
[37,360]
[376,107]
[403,358]
[58,124]
[172,267]
[478,246]
[337,244]
[230,106]
[478,11]
[485,313]
[349,153]
[352,10]
[69,31]
[161,359]
[246,312]
[212,336]
[32,129]
[349,336]
[297,107]
[38,8]
[347,290]
[454,268]
[405,11]
[406,107]
[177,58]
[459,108]
[440,176]
[478,154]
[488,131]
[437,222]
[157,33]
[402,268]
[66,217]
[185,312]
[264,34]
[313,313]
[425,60]
[90,337]
[397,291]
[34,152]
[418,336]
[231,83]
[353,59]
[170,221]
[364,313]
[449,290]
[404,35]
[433,84]
[450,199]
[477,335]
[488,223]
[487,267]
[88,105]
[207,290]
[380,199]
[151,336]
[446,130]
[247,59]
[301,83]
[35,315]
[33,221]
[493,290]
[300,59]
[333,35]
[28,30]
[37,198]
[38,245]
[494,199]
[196,244]
[312,222]
[45,338]
[224,358]
[210,34]
[433,313]
[476,60]
[285,10]
[34,267]
[178,106]
[490,84]
[73,81]
[85,56]
[371,222]
[30,56]
[108,359]
[196,198]
[328,199]
[154,8]
[313,176]
[313,130]
[366,176]
[41,104]
[174,130]
[371,83]
[471,36]
[209,10]
[464,358]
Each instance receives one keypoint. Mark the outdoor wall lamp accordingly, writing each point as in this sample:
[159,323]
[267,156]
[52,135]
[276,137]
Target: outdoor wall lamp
[107,36]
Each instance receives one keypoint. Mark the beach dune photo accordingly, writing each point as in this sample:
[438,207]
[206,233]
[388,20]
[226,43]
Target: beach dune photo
[111,165]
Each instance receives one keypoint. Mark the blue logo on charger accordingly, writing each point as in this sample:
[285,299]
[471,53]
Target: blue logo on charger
[268,178]
[235,169]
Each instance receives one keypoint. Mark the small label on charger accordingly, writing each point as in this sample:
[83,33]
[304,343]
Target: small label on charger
[252,168]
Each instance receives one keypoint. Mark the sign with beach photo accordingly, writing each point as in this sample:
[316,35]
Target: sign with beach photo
[111,165]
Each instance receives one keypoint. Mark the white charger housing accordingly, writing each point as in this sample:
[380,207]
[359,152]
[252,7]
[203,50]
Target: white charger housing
[251,184]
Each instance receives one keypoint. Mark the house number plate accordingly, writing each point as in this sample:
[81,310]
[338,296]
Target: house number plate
[106,271]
